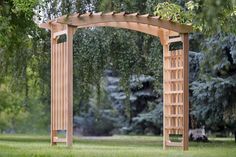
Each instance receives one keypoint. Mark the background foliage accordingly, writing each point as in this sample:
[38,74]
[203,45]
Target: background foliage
[25,66]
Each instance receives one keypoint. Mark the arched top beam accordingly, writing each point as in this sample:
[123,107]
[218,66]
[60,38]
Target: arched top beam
[113,19]
[148,29]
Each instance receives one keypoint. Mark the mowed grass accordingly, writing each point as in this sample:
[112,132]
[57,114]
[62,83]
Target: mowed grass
[116,146]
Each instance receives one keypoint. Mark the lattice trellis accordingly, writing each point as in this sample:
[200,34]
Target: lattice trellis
[175,85]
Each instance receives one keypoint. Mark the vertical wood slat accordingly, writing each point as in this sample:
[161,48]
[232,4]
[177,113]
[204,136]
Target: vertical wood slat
[63,87]
[66,87]
[64,81]
[165,97]
[52,86]
[53,43]
[58,87]
[69,133]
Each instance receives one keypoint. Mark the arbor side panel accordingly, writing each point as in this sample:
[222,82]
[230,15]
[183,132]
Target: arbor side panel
[59,106]
[174,96]
[62,86]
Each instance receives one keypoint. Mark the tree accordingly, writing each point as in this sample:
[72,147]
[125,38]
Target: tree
[16,43]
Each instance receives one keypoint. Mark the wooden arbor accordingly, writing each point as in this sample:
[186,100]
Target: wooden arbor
[175,69]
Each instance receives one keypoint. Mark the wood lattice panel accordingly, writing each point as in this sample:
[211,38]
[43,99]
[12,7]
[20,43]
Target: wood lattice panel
[173,95]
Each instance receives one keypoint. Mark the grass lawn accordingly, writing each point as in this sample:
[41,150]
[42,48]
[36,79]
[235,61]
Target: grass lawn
[116,146]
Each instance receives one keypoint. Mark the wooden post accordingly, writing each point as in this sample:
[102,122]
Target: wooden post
[53,43]
[165,134]
[164,36]
[69,88]
[186,91]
